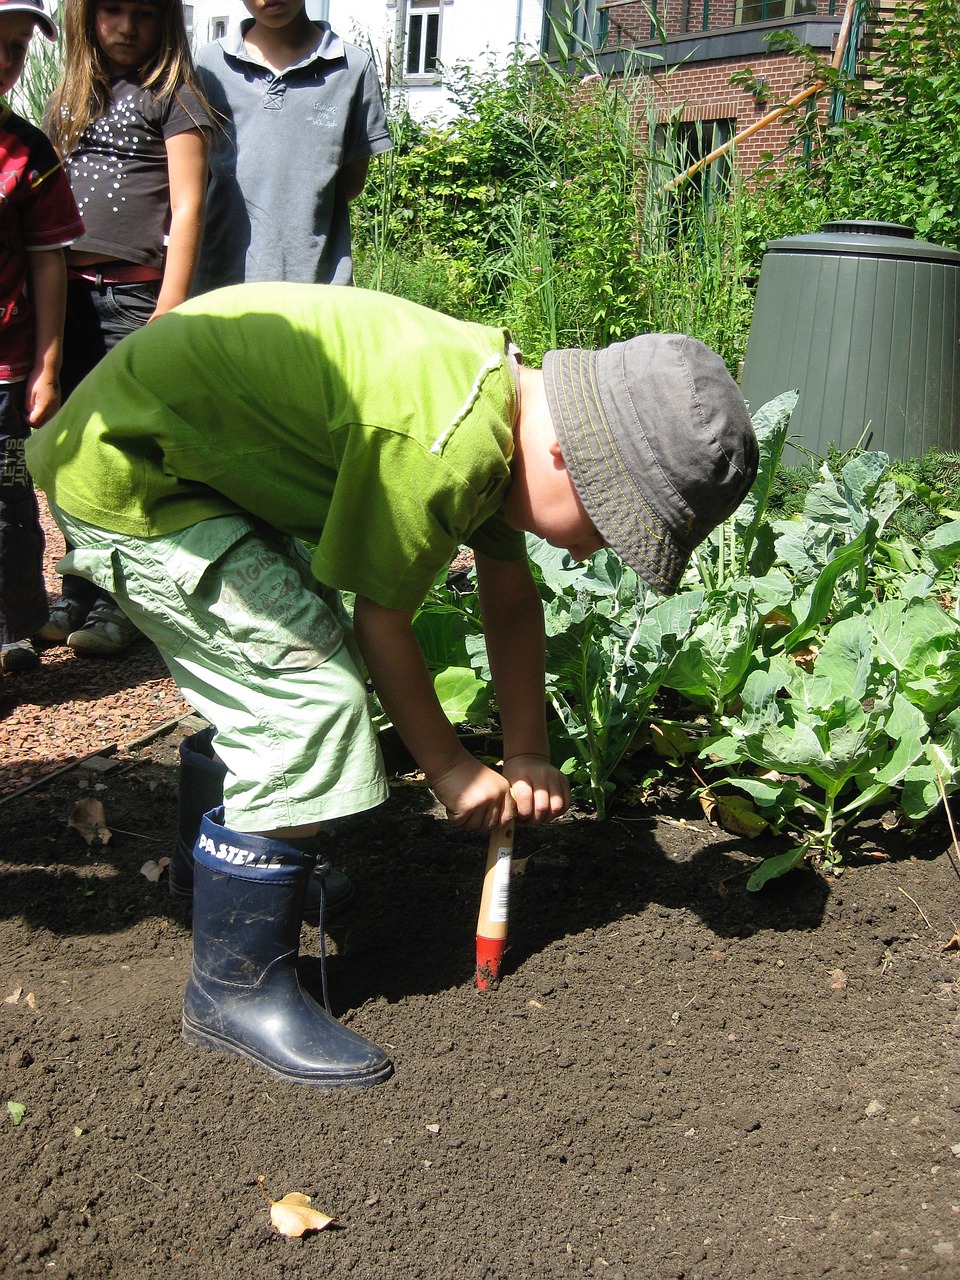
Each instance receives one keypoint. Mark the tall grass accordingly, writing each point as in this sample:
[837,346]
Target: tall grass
[544,202]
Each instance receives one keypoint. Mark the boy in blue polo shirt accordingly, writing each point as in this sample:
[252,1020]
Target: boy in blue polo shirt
[302,115]
[193,464]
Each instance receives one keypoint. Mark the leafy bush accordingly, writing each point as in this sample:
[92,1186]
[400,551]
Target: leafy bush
[819,652]
[557,218]
[895,160]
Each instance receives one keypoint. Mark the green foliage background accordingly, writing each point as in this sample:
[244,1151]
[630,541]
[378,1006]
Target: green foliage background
[540,208]
[896,159]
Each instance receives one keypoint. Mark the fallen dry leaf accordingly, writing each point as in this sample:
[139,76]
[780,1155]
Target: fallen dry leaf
[154,870]
[734,813]
[90,822]
[292,1215]
[14,996]
[839,982]
[806,658]
[953,944]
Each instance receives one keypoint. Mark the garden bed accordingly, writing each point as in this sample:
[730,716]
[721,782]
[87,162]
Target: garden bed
[676,1077]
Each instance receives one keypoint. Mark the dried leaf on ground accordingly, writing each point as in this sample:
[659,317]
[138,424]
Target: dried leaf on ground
[953,944]
[154,870]
[14,998]
[734,813]
[292,1215]
[89,820]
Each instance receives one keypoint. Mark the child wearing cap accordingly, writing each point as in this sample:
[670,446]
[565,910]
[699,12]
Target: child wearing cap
[261,417]
[38,216]
[302,114]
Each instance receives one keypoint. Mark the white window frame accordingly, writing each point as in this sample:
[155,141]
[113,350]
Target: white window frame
[420,11]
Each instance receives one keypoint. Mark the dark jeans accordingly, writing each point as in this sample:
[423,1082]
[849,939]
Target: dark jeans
[97,318]
[23,597]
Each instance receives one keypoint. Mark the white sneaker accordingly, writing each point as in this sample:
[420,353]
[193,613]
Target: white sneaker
[106,631]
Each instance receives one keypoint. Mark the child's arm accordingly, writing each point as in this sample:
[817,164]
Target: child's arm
[187,169]
[473,795]
[513,629]
[47,283]
[354,178]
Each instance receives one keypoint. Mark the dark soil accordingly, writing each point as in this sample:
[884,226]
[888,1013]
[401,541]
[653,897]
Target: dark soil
[675,1078]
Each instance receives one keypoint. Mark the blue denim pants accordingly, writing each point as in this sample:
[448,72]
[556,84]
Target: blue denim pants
[97,318]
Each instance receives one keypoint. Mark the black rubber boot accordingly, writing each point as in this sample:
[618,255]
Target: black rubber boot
[201,789]
[244,995]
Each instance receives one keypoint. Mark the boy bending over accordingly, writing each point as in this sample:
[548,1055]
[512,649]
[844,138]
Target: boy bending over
[193,464]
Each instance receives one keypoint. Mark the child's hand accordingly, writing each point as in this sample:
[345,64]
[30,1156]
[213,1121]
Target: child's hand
[541,792]
[42,399]
[474,796]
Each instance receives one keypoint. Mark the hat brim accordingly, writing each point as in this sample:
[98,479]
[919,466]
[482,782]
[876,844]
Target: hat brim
[46,25]
[40,17]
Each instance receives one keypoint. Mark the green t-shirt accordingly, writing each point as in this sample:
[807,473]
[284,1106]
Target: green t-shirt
[374,429]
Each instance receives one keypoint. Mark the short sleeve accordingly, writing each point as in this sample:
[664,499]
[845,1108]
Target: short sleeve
[397,516]
[54,220]
[184,111]
[495,538]
[369,132]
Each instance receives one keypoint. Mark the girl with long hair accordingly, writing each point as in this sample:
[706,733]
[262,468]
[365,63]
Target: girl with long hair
[132,127]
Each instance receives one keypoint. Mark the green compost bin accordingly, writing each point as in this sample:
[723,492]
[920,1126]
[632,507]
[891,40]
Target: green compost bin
[864,320]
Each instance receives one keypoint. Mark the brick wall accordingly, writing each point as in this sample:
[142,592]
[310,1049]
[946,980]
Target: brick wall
[701,91]
[630,19]
[704,93]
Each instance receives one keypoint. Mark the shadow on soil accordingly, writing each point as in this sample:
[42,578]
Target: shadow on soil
[411,928]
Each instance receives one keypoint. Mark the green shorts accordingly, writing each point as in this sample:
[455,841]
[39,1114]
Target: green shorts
[259,649]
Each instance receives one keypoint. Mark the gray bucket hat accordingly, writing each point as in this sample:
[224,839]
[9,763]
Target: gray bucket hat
[35,10]
[658,443]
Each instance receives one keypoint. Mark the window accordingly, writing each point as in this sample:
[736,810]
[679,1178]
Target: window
[575,23]
[423,38]
[680,144]
[687,141]
[218,28]
[765,10]
[188,20]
